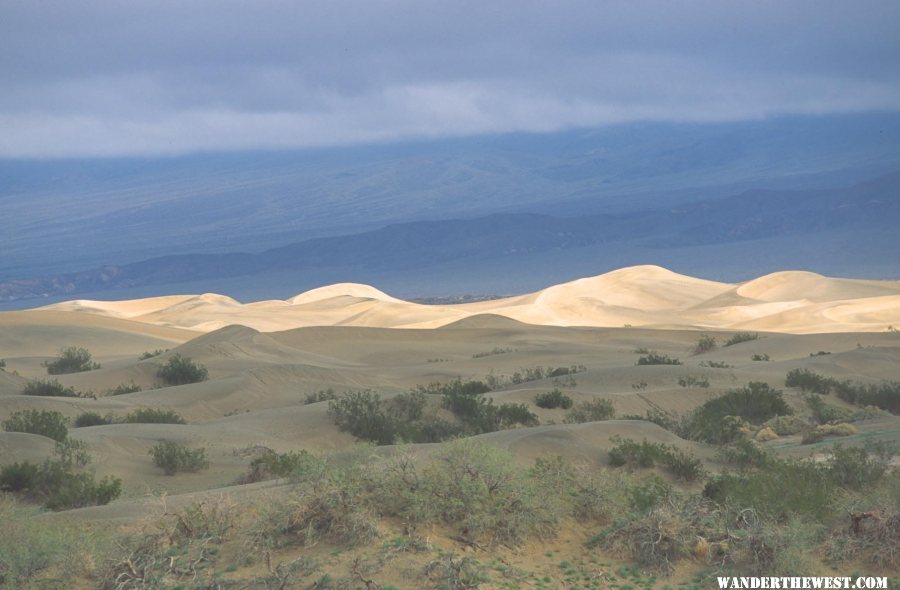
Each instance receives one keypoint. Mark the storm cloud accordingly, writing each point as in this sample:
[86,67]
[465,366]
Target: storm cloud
[95,78]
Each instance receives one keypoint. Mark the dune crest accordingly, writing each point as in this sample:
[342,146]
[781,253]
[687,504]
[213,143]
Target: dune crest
[646,296]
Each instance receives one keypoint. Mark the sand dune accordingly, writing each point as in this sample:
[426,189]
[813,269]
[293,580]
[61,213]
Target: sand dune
[649,296]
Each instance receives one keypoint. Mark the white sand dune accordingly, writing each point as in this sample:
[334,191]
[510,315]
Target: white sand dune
[646,296]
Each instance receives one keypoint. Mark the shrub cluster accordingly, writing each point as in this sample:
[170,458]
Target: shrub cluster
[51,388]
[153,416]
[655,358]
[124,388]
[151,353]
[73,359]
[720,419]
[691,381]
[180,370]
[739,337]
[885,395]
[47,423]
[553,399]
[173,457]
[704,344]
[323,395]
[594,410]
[647,454]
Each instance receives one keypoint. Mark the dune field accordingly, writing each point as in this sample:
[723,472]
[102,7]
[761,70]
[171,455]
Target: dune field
[265,358]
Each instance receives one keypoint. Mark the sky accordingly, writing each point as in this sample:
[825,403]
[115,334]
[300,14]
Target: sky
[160,77]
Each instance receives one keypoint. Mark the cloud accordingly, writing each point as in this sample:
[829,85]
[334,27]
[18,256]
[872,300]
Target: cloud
[104,78]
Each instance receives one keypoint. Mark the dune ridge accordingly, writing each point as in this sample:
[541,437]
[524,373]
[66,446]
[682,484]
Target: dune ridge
[641,296]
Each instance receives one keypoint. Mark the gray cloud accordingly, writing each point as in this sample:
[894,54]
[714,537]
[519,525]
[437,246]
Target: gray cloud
[103,78]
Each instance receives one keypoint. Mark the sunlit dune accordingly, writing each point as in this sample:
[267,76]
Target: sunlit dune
[646,296]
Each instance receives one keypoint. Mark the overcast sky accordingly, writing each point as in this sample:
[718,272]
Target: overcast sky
[94,78]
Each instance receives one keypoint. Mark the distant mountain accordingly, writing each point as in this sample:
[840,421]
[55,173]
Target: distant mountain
[61,215]
[852,218]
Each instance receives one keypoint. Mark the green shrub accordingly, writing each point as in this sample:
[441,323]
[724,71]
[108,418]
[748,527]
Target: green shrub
[647,454]
[553,399]
[755,403]
[884,395]
[740,337]
[857,468]
[44,422]
[806,380]
[73,359]
[824,413]
[478,413]
[2,365]
[745,454]
[323,395]
[19,477]
[787,425]
[49,388]
[655,358]
[90,419]
[154,416]
[173,457]
[124,388]
[715,364]
[180,370]
[691,381]
[152,353]
[594,410]
[761,357]
[271,465]
[364,415]
[705,344]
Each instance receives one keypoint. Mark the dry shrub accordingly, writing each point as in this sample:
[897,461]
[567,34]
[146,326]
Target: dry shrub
[765,435]
[656,540]
[787,425]
[875,539]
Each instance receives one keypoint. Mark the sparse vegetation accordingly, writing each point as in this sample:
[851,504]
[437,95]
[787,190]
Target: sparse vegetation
[594,410]
[124,388]
[740,337]
[494,351]
[180,370]
[153,416]
[323,395]
[655,358]
[90,419]
[173,457]
[691,381]
[761,357]
[553,399]
[646,454]
[43,422]
[49,388]
[885,395]
[706,343]
[151,353]
[716,365]
[73,359]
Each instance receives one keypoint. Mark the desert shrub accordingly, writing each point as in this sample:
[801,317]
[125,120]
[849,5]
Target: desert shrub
[590,411]
[173,457]
[786,425]
[479,414]
[781,489]
[647,454]
[58,484]
[153,416]
[323,395]
[820,353]
[90,419]
[151,353]
[72,454]
[744,454]
[553,399]
[364,415]
[764,357]
[124,388]
[409,406]
[823,430]
[479,491]
[2,365]
[37,552]
[715,364]
[655,540]
[449,572]
[180,370]
[44,422]
[691,381]
[765,435]
[739,337]
[49,388]
[655,358]
[704,344]
[859,467]
[494,351]
[884,395]
[274,465]
[806,380]
[823,413]
[73,359]
[755,403]
[19,477]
